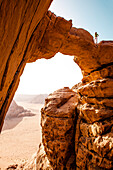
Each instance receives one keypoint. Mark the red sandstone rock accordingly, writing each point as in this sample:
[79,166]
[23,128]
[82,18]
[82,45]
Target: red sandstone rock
[93,135]
[104,72]
[18,20]
[99,88]
[58,120]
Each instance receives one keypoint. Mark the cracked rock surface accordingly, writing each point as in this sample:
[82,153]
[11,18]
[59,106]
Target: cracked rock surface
[92,120]
[94,140]
[58,127]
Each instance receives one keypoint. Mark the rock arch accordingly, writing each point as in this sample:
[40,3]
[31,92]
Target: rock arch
[23,40]
[42,36]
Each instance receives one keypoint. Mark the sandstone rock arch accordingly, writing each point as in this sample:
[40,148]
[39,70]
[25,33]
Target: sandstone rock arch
[25,40]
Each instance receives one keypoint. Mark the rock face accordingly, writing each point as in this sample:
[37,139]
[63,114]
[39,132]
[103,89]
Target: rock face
[58,127]
[77,129]
[18,21]
[92,120]
[94,147]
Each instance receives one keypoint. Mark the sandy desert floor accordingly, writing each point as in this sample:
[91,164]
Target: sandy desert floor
[20,137]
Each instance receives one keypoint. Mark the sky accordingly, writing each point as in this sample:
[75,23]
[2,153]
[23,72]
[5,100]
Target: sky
[46,76]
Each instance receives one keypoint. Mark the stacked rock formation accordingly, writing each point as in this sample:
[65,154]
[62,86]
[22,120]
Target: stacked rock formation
[94,141]
[58,128]
[91,111]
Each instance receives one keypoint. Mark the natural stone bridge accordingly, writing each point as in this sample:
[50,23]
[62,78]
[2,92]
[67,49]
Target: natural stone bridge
[29,32]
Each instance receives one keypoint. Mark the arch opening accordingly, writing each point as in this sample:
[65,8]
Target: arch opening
[46,76]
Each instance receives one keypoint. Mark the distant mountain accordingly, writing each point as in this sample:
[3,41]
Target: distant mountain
[39,99]
[17,111]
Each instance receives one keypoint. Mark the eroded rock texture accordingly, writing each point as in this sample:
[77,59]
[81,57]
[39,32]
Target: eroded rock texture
[58,127]
[92,120]
[94,141]
[18,20]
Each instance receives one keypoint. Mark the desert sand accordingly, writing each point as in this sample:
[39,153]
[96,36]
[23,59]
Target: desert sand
[20,137]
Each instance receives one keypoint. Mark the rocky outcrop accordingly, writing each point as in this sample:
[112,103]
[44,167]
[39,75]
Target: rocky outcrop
[94,146]
[92,120]
[77,131]
[16,111]
[58,127]
[58,120]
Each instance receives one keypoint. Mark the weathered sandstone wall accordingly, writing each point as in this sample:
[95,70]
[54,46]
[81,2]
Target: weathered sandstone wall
[18,20]
[94,109]
[94,140]
[58,127]
[77,130]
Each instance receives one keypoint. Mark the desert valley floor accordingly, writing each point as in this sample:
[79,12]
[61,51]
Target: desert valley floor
[20,137]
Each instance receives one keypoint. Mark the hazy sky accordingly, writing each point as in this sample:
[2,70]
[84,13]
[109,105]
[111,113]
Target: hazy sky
[45,76]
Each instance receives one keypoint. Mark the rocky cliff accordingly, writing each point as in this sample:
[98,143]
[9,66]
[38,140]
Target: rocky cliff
[92,120]
[18,21]
[77,129]
[58,127]
[94,114]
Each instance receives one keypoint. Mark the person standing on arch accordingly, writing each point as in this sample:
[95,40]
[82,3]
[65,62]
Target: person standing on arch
[96,36]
